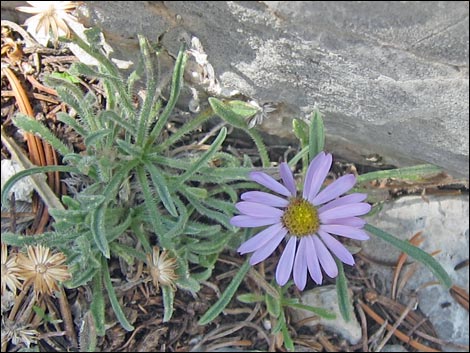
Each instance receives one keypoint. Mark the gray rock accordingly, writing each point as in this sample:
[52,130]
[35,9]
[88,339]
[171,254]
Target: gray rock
[445,225]
[325,297]
[393,348]
[389,77]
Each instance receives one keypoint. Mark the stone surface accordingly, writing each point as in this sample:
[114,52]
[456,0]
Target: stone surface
[389,77]
[445,225]
[23,189]
[326,297]
[393,348]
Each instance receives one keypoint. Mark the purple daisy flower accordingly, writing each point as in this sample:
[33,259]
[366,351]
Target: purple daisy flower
[307,221]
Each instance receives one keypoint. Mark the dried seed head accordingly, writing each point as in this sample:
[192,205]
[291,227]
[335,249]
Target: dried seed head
[10,271]
[162,268]
[43,269]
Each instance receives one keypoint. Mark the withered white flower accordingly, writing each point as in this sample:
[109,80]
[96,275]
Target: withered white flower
[50,18]
[261,115]
[17,333]
[43,269]
[162,268]
[10,271]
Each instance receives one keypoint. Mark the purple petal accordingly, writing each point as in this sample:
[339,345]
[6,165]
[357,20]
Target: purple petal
[354,209]
[317,177]
[300,266]
[264,198]
[244,221]
[345,200]
[267,181]
[255,209]
[314,165]
[349,221]
[312,259]
[326,260]
[262,253]
[288,178]
[320,176]
[284,267]
[260,239]
[337,248]
[345,231]
[336,188]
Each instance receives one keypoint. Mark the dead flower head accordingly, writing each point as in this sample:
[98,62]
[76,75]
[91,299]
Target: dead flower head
[49,17]
[162,268]
[43,269]
[10,271]
[17,333]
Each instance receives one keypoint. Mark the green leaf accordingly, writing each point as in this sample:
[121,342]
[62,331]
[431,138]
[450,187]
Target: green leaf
[300,129]
[117,231]
[288,342]
[155,216]
[407,173]
[201,209]
[242,108]
[227,113]
[189,283]
[65,76]
[117,119]
[97,306]
[272,305]
[90,202]
[226,297]
[200,193]
[137,229]
[70,202]
[168,300]
[161,187]
[318,311]
[85,70]
[45,317]
[35,127]
[203,275]
[210,247]
[73,96]
[194,228]
[344,301]
[249,298]
[263,153]
[178,227]
[94,137]
[129,148]
[186,128]
[99,231]
[202,161]
[415,253]
[176,85]
[82,278]
[27,172]
[316,135]
[76,125]
[151,84]
[114,78]
[71,216]
[127,253]
[113,298]
[93,36]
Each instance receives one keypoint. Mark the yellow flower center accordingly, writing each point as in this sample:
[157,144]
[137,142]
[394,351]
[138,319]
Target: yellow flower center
[301,218]
[41,268]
